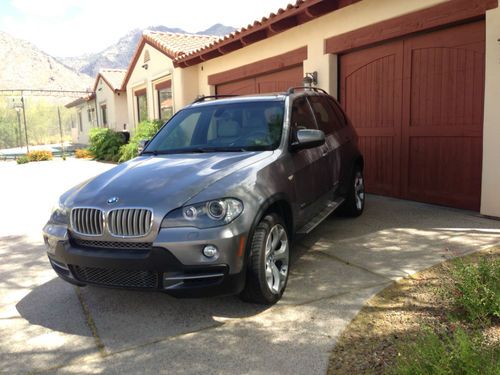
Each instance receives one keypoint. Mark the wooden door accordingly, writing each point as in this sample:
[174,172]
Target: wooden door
[371,94]
[417,105]
[278,81]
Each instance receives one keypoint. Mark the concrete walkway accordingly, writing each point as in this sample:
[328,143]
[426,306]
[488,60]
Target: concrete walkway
[48,326]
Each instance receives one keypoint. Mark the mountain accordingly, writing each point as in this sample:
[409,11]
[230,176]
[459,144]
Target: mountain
[24,66]
[217,29]
[119,55]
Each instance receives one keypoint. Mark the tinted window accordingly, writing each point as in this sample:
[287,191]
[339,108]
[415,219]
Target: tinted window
[302,117]
[325,113]
[222,127]
[339,113]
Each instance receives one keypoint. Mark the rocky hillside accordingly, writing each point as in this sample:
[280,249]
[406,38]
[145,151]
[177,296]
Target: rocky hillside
[24,66]
[118,55]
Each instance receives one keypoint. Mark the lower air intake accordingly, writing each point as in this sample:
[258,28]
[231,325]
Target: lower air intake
[117,278]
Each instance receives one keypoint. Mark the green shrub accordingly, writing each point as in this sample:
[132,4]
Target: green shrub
[22,159]
[40,155]
[460,353]
[475,289]
[105,144]
[144,130]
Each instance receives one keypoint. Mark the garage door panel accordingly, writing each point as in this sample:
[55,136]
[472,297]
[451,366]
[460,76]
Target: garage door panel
[420,100]
[443,113]
[243,87]
[266,83]
[379,161]
[454,180]
[445,83]
[371,95]
[280,81]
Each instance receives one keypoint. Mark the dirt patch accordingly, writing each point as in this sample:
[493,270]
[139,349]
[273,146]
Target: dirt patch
[397,315]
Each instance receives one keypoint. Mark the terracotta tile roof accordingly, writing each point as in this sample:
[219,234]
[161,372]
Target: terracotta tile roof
[294,14]
[80,100]
[176,45]
[113,78]
[173,45]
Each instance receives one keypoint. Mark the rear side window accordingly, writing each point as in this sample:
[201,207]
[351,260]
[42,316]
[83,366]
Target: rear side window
[302,117]
[338,111]
[326,117]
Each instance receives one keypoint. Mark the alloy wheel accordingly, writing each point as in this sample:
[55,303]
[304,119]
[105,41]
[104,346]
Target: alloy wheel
[277,257]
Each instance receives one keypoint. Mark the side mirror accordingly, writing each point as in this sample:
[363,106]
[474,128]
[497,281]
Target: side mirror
[308,138]
[142,145]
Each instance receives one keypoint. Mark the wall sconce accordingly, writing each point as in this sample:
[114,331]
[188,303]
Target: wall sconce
[310,79]
[145,66]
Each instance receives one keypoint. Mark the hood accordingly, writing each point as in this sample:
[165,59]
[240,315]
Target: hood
[163,182]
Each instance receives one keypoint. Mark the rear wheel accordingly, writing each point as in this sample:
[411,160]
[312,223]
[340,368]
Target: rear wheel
[267,274]
[355,199]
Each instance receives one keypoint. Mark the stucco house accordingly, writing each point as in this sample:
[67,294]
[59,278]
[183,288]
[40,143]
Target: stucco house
[419,79]
[155,89]
[105,107]
[84,118]
[111,100]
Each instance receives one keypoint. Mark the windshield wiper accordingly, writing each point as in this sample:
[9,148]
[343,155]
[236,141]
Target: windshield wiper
[195,150]
[219,149]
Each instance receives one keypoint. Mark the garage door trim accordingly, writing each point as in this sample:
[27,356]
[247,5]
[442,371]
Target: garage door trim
[444,14]
[260,67]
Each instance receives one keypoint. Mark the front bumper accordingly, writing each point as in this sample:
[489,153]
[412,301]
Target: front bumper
[173,263]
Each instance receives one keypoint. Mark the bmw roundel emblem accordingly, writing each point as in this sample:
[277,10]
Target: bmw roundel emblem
[113,200]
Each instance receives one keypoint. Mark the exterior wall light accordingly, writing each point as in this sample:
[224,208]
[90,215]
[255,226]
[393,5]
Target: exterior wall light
[310,79]
[145,66]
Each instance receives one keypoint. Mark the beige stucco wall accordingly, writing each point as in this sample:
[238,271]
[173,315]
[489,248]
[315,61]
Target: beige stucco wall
[116,104]
[160,67]
[490,199]
[82,136]
[312,35]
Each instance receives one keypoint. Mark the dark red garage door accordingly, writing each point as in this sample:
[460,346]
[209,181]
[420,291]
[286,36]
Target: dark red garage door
[417,105]
[272,82]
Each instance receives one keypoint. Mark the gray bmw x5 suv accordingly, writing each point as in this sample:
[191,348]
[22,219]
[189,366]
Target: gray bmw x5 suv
[214,200]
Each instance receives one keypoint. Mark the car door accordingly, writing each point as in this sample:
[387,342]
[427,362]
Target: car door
[329,123]
[311,183]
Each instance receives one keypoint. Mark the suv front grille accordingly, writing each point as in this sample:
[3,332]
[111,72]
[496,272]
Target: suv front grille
[87,221]
[113,244]
[118,278]
[130,222]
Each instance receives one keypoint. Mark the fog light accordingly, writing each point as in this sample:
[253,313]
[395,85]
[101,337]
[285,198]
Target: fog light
[211,251]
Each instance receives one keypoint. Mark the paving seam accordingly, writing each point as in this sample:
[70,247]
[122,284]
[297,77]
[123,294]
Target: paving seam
[110,354]
[105,354]
[91,323]
[334,257]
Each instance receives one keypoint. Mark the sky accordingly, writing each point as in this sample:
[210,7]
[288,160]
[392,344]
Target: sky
[65,28]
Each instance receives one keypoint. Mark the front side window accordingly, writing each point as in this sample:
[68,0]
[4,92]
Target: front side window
[248,126]
[142,107]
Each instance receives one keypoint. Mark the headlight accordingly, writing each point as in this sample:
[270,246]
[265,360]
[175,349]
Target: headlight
[59,214]
[204,215]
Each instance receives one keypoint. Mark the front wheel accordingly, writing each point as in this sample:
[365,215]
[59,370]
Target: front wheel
[268,267]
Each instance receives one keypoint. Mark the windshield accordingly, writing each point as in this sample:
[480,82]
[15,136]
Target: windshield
[246,126]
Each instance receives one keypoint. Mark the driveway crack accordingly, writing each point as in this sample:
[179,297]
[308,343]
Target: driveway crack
[91,323]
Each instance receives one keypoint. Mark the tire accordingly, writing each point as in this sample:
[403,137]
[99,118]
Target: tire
[268,263]
[355,199]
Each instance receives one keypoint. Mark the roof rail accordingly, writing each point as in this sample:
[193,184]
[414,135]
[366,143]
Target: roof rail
[291,90]
[203,97]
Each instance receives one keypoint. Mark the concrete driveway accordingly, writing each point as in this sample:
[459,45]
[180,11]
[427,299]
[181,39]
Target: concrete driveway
[48,326]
